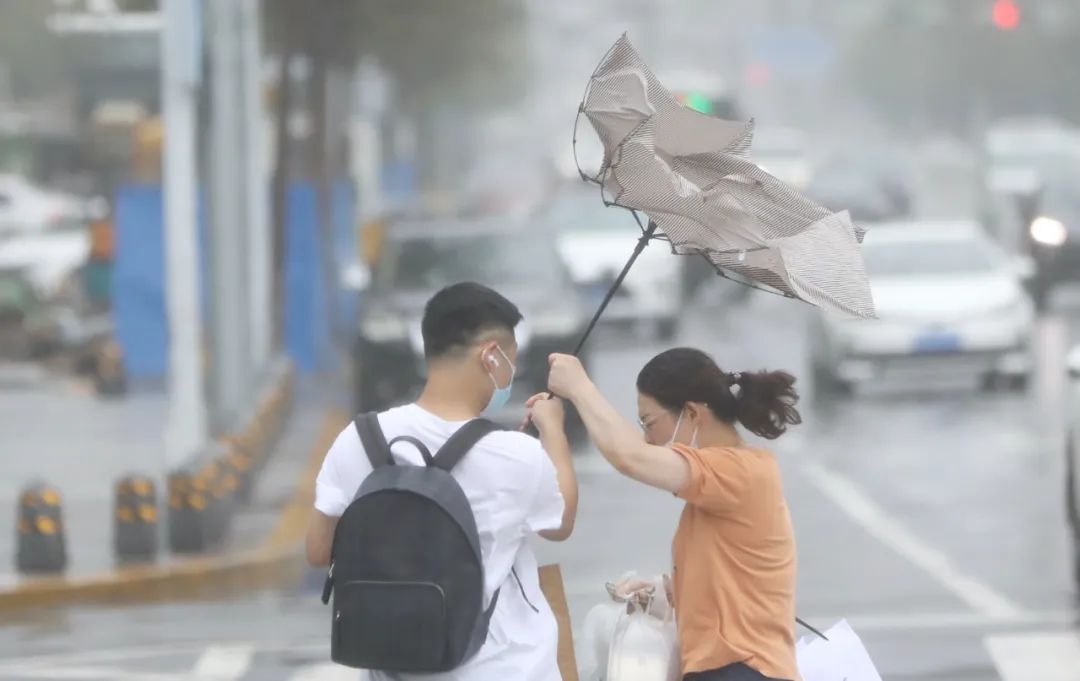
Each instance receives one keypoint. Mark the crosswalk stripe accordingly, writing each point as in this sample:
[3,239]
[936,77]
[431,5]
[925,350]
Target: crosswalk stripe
[328,671]
[1043,656]
[224,663]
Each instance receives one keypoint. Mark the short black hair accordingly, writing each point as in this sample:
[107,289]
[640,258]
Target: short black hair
[457,314]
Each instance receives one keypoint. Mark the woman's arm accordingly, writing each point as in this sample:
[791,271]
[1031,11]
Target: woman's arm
[622,443]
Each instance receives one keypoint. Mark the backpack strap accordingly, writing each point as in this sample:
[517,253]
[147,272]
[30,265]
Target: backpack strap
[459,444]
[371,436]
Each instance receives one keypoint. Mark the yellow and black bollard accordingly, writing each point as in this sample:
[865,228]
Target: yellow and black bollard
[238,468]
[220,509]
[42,547]
[188,519]
[135,519]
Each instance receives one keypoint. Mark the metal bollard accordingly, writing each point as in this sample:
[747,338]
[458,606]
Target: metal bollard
[42,547]
[135,519]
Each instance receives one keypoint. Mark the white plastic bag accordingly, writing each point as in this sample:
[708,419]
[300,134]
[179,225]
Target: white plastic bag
[843,656]
[644,648]
[633,635]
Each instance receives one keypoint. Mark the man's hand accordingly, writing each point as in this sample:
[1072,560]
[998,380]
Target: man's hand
[546,412]
[566,376]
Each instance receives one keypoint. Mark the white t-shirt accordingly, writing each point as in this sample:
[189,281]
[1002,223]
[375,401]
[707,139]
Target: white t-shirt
[512,487]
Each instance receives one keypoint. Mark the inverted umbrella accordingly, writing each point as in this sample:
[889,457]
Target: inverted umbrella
[689,173]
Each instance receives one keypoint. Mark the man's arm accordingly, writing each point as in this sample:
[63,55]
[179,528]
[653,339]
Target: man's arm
[557,447]
[320,539]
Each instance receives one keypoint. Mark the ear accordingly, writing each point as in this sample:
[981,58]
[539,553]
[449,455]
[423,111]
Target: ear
[695,410]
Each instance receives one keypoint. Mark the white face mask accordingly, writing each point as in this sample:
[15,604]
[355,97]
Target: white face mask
[678,422]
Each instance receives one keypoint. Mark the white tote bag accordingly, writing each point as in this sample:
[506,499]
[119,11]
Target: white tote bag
[843,656]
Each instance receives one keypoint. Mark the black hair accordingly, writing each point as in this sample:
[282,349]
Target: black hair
[763,401]
[456,315]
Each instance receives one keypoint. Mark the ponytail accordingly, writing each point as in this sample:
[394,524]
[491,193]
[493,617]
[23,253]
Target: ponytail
[765,402]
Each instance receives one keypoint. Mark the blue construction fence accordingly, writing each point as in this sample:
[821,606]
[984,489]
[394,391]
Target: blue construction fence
[138,286]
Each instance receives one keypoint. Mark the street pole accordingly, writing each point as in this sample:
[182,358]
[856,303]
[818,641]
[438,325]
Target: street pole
[257,184]
[180,55]
[228,232]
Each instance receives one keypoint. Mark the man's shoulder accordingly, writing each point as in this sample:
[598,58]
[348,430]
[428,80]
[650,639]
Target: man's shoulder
[516,441]
[513,451]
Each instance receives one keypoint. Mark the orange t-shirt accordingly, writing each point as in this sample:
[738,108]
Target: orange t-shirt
[734,564]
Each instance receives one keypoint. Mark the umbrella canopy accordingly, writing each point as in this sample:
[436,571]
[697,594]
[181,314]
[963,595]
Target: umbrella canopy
[690,174]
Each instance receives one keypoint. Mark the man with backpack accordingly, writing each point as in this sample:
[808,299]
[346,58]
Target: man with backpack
[423,513]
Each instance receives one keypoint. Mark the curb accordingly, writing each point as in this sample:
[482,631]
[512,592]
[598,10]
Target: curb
[276,561]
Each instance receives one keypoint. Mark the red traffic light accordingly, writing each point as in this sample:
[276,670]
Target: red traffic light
[1006,15]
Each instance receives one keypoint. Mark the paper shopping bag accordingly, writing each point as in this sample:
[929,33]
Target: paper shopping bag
[841,658]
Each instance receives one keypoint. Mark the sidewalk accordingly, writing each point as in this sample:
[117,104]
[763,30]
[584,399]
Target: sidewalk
[91,443]
[80,445]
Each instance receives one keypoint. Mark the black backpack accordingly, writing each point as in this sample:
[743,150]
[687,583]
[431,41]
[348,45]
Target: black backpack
[406,570]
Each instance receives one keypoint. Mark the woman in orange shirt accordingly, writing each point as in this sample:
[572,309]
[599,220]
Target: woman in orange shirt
[734,549]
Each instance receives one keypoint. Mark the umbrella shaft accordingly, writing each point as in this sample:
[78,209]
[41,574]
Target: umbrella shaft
[642,242]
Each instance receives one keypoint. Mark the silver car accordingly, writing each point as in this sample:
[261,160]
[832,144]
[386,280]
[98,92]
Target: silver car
[949,300]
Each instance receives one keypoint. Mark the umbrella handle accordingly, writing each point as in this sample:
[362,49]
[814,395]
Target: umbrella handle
[642,242]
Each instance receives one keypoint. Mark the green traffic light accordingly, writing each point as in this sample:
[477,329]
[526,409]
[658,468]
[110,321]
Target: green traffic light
[699,102]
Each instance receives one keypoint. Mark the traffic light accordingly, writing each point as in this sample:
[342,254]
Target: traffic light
[1006,15]
[696,101]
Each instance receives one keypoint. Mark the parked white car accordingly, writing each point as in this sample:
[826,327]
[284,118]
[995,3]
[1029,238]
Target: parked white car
[1072,457]
[48,257]
[595,241]
[949,300]
[25,207]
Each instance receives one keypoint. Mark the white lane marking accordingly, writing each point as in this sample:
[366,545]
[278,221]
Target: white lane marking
[22,664]
[1043,656]
[914,621]
[845,494]
[224,663]
[98,674]
[328,671]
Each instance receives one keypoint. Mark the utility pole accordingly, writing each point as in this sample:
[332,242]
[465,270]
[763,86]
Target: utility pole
[180,59]
[256,185]
[228,230]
